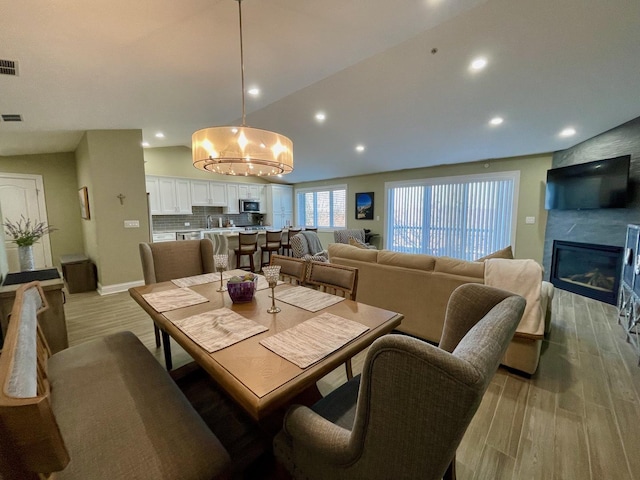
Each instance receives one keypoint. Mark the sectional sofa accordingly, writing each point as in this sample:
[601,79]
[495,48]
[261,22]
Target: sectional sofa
[419,287]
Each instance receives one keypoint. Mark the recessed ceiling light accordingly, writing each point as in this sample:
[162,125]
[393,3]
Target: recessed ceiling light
[145,144]
[496,120]
[254,91]
[321,117]
[359,148]
[478,64]
[159,135]
[568,132]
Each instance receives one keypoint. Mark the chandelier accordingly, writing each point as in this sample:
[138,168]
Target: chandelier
[241,150]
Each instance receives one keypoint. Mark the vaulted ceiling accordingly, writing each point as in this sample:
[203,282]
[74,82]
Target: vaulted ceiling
[392,76]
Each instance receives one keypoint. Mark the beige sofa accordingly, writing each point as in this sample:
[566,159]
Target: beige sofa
[419,286]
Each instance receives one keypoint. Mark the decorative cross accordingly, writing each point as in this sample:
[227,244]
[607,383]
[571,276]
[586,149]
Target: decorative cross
[121,197]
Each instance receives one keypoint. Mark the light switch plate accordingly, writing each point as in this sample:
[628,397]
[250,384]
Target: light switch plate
[530,220]
[131,224]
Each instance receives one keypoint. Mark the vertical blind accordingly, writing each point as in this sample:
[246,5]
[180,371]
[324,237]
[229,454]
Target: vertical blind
[463,217]
[323,207]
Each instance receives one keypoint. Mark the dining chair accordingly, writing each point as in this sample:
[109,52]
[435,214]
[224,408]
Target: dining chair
[405,416]
[293,270]
[286,240]
[247,246]
[166,261]
[272,243]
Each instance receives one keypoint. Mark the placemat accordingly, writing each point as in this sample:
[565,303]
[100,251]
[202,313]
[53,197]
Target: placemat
[196,280]
[307,298]
[314,339]
[173,299]
[218,329]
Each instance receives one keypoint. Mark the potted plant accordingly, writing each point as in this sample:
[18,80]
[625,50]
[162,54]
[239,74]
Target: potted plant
[25,233]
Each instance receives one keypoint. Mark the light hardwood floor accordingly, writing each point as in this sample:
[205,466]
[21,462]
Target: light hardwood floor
[577,418]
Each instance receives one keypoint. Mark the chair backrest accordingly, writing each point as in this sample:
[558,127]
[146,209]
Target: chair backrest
[333,278]
[292,269]
[416,401]
[247,239]
[343,236]
[286,240]
[220,243]
[273,238]
[170,260]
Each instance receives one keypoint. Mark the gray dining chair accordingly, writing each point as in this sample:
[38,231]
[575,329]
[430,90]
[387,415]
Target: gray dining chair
[293,270]
[405,416]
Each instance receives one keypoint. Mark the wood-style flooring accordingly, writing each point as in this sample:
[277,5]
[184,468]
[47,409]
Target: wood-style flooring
[577,418]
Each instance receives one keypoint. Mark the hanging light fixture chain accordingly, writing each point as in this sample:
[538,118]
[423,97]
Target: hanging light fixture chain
[241,62]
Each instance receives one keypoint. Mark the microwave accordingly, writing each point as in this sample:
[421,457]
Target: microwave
[249,206]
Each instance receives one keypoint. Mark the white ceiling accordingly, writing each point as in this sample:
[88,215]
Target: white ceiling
[173,66]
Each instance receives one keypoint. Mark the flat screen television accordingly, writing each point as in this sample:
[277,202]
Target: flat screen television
[599,184]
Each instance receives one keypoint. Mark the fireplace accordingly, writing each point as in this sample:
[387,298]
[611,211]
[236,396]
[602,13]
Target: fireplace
[587,269]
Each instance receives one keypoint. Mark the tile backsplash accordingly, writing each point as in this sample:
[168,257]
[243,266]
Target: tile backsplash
[198,219]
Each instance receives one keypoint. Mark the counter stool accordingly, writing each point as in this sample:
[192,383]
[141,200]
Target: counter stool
[272,243]
[247,245]
[286,245]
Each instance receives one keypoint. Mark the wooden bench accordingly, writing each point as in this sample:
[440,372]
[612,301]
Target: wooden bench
[105,409]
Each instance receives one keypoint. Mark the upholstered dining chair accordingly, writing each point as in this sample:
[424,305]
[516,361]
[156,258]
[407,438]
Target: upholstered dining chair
[166,261]
[293,270]
[405,416]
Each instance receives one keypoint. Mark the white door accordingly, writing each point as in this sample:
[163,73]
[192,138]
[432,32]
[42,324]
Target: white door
[23,195]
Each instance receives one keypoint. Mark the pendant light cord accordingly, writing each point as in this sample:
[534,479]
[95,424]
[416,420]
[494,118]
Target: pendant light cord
[241,62]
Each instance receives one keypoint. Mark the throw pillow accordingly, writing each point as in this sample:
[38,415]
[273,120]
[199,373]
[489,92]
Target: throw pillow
[356,243]
[504,253]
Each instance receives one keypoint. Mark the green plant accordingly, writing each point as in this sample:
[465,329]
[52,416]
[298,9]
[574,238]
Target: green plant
[25,233]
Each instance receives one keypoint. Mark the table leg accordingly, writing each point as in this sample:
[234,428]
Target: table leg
[166,339]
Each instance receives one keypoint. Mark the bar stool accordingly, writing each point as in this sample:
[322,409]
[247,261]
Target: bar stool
[286,245]
[272,243]
[247,245]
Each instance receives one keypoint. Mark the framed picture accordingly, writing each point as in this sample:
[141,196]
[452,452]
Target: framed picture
[364,206]
[83,194]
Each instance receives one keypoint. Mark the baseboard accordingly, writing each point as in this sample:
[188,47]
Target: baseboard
[117,288]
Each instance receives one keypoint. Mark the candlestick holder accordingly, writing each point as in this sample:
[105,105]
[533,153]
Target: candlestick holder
[221,262]
[272,274]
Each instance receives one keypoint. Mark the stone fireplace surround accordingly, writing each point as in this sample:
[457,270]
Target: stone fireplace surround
[601,226]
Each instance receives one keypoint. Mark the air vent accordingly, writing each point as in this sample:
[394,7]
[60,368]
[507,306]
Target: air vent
[11,117]
[8,67]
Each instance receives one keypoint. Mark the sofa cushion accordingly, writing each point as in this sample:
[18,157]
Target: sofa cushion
[506,252]
[415,261]
[455,266]
[342,250]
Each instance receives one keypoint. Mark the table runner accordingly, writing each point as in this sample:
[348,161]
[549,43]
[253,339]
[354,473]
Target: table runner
[307,298]
[173,299]
[218,329]
[314,339]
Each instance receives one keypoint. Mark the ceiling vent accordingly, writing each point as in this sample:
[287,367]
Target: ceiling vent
[8,67]
[11,117]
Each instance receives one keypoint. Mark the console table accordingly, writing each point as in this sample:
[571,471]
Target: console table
[629,296]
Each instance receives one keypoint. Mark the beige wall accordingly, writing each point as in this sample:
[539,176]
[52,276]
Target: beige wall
[176,162]
[58,172]
[529,238]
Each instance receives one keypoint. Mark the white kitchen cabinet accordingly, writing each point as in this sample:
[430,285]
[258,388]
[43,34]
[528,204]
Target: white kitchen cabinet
[248,191]
[233,206]
[204,193]
[279,205]
[168,196]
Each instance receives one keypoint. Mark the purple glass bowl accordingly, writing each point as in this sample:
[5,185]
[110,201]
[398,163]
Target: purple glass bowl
[242,292]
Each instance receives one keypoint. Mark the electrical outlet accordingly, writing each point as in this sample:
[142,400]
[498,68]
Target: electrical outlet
[131,224]
[187,224]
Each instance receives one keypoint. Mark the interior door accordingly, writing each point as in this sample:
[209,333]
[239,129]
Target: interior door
[23,195]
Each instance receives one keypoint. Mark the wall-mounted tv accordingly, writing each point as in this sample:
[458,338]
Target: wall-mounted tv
[600,184]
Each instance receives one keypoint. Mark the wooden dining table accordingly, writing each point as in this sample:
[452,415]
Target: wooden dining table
[258,379]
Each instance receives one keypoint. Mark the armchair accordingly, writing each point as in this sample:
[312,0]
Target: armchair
[407,413]
[306,245]
[358,234]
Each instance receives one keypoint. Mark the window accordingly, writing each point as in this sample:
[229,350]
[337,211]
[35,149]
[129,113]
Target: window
[464,217]
[323,207]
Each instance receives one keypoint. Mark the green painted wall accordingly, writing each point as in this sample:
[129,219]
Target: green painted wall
[529,238]
[58,172]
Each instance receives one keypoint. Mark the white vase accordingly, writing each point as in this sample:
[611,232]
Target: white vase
[25,256]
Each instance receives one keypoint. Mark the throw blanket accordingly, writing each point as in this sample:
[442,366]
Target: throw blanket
[313,241]
[523,277]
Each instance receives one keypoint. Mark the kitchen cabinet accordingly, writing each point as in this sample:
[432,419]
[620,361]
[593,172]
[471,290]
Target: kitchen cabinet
[168,196]
[279,203]
[233,206]
[249,191]
[205,193]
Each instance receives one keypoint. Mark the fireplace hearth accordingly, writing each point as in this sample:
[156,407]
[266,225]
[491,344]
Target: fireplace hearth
[587,269]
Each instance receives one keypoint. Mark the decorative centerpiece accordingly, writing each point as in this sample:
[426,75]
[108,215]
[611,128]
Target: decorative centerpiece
[242,289]
[25,233]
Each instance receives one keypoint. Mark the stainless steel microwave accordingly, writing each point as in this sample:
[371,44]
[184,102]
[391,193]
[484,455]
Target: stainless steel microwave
[249,206]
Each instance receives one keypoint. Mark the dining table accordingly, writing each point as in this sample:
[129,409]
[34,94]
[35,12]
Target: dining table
[254,371]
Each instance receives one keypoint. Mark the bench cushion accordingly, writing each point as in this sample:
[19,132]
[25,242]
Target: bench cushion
[122,416]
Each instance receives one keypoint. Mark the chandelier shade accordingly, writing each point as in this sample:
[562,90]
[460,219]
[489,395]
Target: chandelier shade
[241,150]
